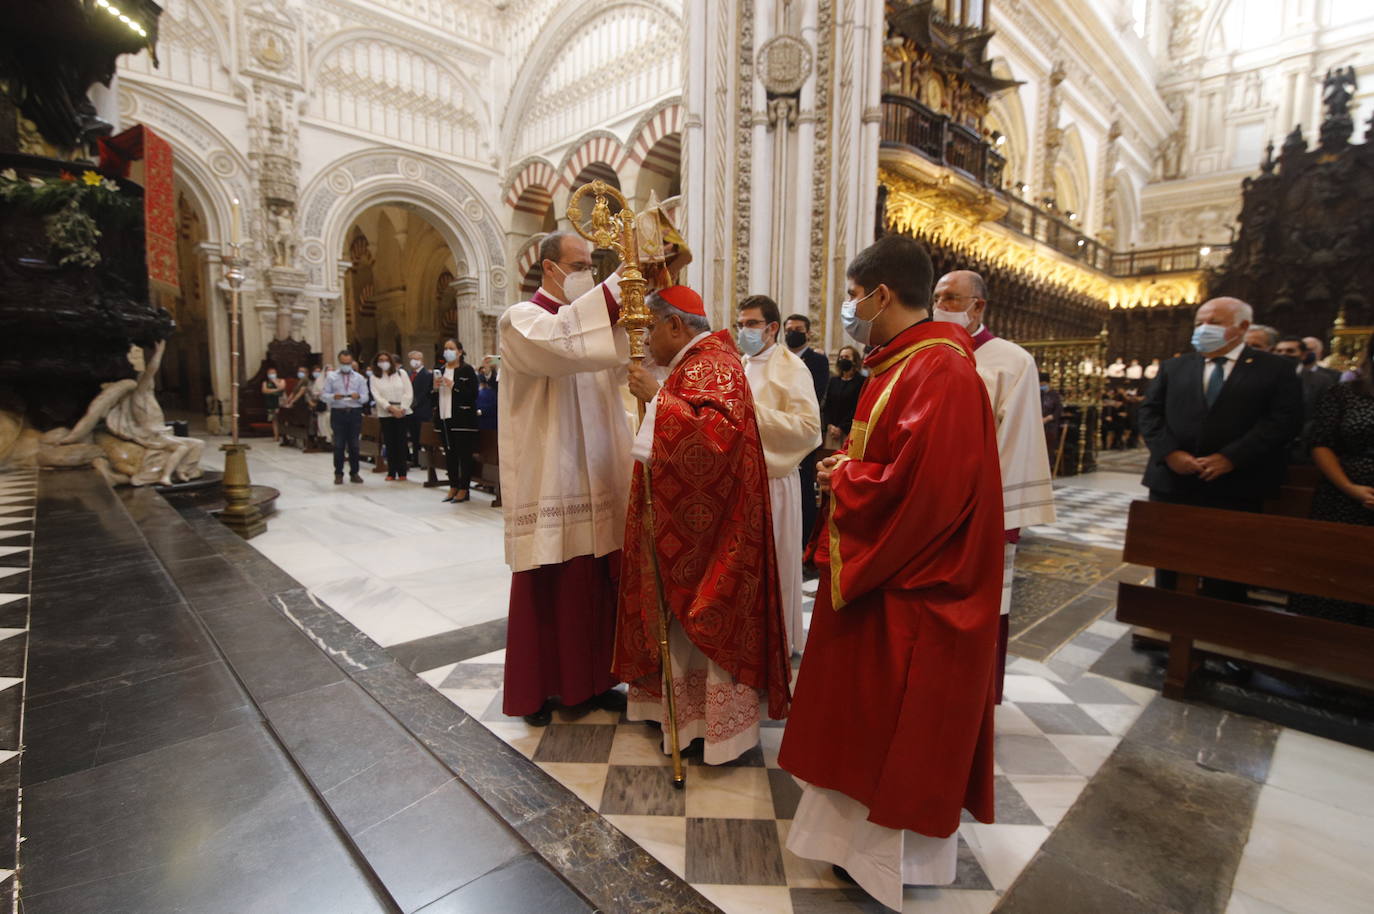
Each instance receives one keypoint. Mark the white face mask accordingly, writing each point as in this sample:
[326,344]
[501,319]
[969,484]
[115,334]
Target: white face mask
[450,355]
[272,376]
[416,364]
[576,285]
[962,318]
[383,366]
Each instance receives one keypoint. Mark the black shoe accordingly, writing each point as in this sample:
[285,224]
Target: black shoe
[610,700]
[842,874]
[355,478]
[338,479]
[541,718]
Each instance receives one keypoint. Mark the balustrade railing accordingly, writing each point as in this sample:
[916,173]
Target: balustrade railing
[908,123]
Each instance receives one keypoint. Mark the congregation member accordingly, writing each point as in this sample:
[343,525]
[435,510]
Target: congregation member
[789,422]
[1013,384]
[797,335]
[1313,356]
[842,397]
[1315,383]
[891,728]
[717,566]
[345,392]
[273,389]
[486,403]
[1218,422]
[422,407]
[565,476]
[392,396]
[1262,337]
[1052,416]
[455,387]
[320,420]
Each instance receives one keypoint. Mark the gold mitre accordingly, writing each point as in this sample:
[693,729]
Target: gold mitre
[660,243]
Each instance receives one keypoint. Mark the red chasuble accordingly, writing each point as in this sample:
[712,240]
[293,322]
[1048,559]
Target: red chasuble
[713,531]
[894,702]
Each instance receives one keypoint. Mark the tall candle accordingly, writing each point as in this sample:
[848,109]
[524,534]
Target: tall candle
[234,223]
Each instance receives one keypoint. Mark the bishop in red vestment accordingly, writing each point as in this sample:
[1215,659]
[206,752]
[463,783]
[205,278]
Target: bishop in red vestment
[713,533]
[892,726]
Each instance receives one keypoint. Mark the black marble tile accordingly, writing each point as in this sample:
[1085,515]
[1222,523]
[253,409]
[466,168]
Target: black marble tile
[1092,691]
[576,743]
[1159,828]
[364,763]
[1052,883]
[786,793]
[121,639]
[16,559]
[1060,719]
[1092,641]
[609,869]
[16,538]
[123,719]
[211,583]
[1010,808]
[219,823]
[475,676]
[10,700]
[450,647]
[1208,737]
[136,579]
[270,654]
[9,812]
[15,614]
[1024,753]
[851,900]
[641,790]
[734,852]
[332,633]
[436,845]
[525,885]
[1034,597]
[12,654]
[1065,623]
[968,873]
[1128,662]
[750,758]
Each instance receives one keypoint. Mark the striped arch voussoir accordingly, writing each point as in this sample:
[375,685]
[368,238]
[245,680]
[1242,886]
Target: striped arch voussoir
[600,148]
[532,189]
[661,123]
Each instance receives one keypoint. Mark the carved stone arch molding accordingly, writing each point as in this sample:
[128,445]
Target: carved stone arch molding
[341,191]
[661,120]
[561,27]
[203,158]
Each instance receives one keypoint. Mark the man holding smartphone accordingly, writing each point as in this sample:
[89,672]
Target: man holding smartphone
[346,393]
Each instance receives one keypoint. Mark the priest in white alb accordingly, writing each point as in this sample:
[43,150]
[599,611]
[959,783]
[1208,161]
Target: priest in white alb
[790,426]
[1013,384]
[565,442]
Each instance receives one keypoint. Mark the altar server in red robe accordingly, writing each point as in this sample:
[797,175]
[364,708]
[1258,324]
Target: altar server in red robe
[713,533]
[891,730]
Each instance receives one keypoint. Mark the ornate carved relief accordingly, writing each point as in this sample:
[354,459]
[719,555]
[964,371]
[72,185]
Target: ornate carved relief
[821,179]
[744,142]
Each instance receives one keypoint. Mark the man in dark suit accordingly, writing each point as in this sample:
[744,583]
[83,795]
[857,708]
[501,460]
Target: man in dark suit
[1218,421]
[421,404]
[1315,382]
[797,333]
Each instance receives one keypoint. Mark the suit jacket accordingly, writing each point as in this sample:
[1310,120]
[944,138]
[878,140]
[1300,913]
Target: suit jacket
[422,383]
[819,366]
[1252,423]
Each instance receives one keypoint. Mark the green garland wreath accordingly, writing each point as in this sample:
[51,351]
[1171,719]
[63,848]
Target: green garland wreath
[73,210]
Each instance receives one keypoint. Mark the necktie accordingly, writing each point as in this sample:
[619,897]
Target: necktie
[1215,380]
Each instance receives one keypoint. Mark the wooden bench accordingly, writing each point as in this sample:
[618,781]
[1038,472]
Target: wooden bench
[370,443]
[1288,554]
[432,455]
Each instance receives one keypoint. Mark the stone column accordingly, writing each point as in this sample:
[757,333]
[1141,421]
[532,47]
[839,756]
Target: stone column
[469,319]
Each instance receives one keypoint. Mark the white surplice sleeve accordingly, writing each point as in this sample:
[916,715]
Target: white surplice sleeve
[579,337]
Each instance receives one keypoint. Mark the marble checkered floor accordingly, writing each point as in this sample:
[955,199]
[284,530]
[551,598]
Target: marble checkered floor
[1092,517]
[17,499]
[726,832]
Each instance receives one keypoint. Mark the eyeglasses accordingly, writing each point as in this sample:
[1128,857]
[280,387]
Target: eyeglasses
[941,299]
[750,324]
[579,267]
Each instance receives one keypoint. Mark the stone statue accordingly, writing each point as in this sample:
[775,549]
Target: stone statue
[283,237]
[139,449]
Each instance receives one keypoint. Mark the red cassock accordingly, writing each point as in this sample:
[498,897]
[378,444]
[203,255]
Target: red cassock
[894,701]
[713,531]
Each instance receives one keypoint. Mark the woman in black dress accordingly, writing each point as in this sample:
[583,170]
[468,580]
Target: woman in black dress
[455,392]
[1343,449]
[842,398]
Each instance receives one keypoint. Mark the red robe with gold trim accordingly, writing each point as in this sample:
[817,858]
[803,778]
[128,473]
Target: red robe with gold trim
[894,702]
[713,532]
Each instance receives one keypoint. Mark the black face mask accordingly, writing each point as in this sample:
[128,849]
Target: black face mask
[845,365]
[1309,358]
[795,339]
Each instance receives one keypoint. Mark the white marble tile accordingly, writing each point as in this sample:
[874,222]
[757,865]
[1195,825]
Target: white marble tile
[1003,850]
[732,793]
[1049,797]
[948,901]
[493,657]
[1242,903]
[473,701]
[383,613]
[1027,667]
[1324,770]
[1008,718]
[1072,654]
[664,837]
[11,597]
[6,572]
[748,899]
[1087,753]
[7,682]
[1304,855]
[587,782]
[803,873]
[519,735]
[20,523]
[437,675]
[1139,694]
[5,756]
[1032,688]
[638,744]
[770,739]
[1117,719]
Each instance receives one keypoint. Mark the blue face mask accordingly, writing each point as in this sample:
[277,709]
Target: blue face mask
[859,330]
[1208,337]
[346,369]
[751,340]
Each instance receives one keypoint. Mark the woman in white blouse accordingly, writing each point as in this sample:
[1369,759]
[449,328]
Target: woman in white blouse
[455,387]
[392,393]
